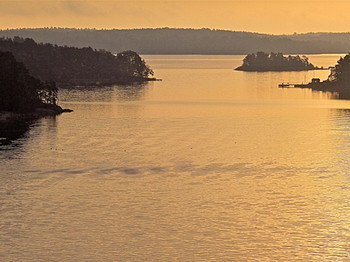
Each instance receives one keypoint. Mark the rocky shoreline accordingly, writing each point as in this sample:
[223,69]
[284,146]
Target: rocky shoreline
[13,125]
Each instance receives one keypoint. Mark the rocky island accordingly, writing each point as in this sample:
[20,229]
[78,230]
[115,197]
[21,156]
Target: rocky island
[264,62]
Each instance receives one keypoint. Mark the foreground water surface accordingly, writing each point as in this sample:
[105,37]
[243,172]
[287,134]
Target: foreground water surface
[210,164]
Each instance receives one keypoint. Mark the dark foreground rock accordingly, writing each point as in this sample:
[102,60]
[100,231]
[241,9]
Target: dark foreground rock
[48,110]
[13,125]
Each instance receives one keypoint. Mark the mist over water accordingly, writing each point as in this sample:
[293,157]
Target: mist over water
[209,164]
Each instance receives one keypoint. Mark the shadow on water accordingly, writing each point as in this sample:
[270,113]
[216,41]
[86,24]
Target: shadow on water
[133,92]
[12,130]
[343,95]
[343,112]
[341,130]
[18,130]
[129,92]
[341,117]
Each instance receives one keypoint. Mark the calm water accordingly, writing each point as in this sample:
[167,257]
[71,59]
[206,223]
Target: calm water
[210,164]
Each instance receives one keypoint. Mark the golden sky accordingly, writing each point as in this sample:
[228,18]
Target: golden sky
[273,16]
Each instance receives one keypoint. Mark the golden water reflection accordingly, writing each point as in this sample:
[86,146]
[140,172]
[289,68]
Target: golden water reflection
[212,165]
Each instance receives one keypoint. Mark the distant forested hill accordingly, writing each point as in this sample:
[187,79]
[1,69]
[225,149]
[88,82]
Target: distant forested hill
[188,41]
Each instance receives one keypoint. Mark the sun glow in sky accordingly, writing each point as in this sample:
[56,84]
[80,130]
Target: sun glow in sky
[273,16]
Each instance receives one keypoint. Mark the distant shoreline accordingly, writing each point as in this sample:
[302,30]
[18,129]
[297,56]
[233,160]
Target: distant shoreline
[179,41]
[263,71]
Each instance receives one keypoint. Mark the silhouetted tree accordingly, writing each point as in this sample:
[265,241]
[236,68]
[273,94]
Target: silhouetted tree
[132,66]
[19,91]
[339,79]
[340,73]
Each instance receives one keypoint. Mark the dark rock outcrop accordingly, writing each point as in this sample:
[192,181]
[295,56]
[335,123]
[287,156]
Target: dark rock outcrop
[14,125]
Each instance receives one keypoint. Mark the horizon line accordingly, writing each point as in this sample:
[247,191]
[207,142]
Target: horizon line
[172,28]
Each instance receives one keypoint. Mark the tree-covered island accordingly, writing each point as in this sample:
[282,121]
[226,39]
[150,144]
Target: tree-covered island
[264,62]
[71,66]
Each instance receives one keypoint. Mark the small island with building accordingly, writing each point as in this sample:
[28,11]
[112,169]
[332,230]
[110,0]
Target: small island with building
[264,62]
[338,80]
[314,81]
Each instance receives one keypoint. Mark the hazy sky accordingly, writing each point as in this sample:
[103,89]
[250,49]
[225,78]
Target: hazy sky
[274,16]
